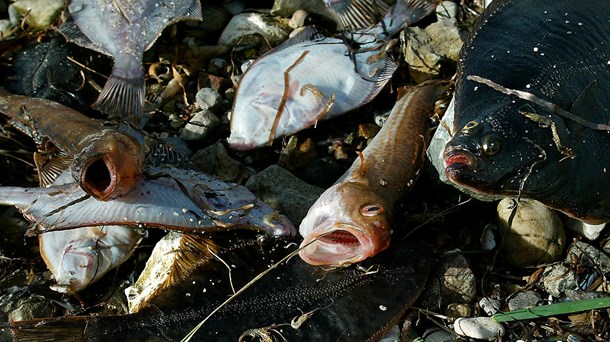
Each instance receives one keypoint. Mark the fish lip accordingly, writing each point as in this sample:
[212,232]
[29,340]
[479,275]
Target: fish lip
[240,144]
[458,158]
[322,252]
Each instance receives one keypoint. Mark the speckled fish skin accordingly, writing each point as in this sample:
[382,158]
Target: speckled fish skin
[303,81]
[393,283]
[352,220]
[107,163]
[557,50]
[81,256]
[124,29]
[168,198]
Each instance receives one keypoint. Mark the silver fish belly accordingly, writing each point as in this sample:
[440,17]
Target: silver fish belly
[309,78]
[124,30]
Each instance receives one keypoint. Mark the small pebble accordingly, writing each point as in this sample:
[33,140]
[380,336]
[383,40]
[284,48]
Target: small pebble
[558,278]
[456,310]
[200,126]
[437,335]
[454,282]
[209,99]
[478,327]
[490,306]
[524,300]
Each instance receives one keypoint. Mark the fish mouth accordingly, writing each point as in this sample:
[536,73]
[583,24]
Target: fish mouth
[240,144]
[99,178]
[458,162]
[339,245]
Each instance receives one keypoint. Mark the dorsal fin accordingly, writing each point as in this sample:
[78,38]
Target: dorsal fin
[357,14]
[586,104]
[72,33]
[49,166]
[306,34]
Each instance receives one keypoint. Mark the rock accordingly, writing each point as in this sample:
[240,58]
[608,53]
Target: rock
[447,10]
[478,327]
[392,336]
[28,308]
[588,255]
[437,335]
[574,296]
[283,191]
[524,300]
[457,310]
[432,51]
[437,147]
[200,126]
[215,160]
[218,66]
[5,27]
[490,306]
[452,281]
[286,8]
[38,14]
[556,279]
[234,6]
[246,28]
[589,231]
[209,99]
[488,238]
[536,235]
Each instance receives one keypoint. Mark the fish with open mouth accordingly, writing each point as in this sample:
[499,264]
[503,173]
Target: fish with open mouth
[106,162]
[531,117]
[124,30]
[311,77]
[352,220]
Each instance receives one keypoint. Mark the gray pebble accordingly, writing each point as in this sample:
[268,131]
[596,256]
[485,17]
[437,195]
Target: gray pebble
[452,281]
[490,306]
[524,300]
[283,191]
[558,278]
[32,307]
[200,126]
[218,66]
[478,327]
[215,160]
[209,99]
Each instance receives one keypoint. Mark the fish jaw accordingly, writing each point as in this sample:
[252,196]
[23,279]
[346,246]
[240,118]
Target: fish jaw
[79,257]
[110,167]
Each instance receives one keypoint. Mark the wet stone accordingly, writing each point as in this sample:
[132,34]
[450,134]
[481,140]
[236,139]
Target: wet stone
[209,99]
[556,279]
[200,126]
[215,160]
[524,300]
[31,307]
[452,281]
[38,14]
[536,235]
[283,191]
[247,28]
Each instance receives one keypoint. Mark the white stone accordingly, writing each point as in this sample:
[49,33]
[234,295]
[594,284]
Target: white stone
[245,24]
[589,231]
[478,327]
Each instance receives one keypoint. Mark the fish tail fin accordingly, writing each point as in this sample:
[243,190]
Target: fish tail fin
[407,12]
[122,96]
[357,14]
[17,196]
[72,328]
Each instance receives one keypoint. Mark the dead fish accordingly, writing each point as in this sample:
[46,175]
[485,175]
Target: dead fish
[531,117]
[294,302]
[310,77]
[357,14]
[168,198]
[107,163]
[352,220]
[79,257]
[124,30]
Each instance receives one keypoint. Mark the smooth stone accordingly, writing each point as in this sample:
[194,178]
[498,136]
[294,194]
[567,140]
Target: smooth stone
[215,160]
[209,99]
[524,300]
[241,25]
[200,126]
[589,231]
[478,327]
[39,14]
[556,279]
[452,281]
[437,335]
[490,306]
[536,235]
[436,150]
[283,191]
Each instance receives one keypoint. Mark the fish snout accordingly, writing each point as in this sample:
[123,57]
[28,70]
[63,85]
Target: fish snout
[457,159]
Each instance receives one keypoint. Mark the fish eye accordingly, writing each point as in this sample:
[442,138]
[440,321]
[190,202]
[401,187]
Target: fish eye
[371,210]
[490,145]
[471,127]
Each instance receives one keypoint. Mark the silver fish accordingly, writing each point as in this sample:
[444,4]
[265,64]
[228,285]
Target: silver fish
[311,77]
[352,220]
[124,30]
[167,197]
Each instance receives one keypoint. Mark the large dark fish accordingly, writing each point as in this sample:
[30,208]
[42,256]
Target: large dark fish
[352,220]
[531,110]
[311,77]
[106,162]
[124,29]
[294,302]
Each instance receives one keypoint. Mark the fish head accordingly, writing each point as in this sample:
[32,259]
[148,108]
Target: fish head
[252,121]
[349,223]
[110,166]
[502,152]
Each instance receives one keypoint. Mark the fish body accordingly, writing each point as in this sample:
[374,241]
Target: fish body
[530,109]
[124,30]
[293,302]
[168,198]
[352,220]
[106,162]
[311,77]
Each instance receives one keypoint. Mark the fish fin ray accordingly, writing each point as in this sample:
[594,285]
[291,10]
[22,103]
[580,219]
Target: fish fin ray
[72,33]
[68,328]
[357,14]
[385,75]
[50,167]
[586,104]
[308,33]
[124,97]
[407,12]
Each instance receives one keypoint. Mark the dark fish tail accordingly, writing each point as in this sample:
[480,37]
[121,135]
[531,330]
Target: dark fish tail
[407,12]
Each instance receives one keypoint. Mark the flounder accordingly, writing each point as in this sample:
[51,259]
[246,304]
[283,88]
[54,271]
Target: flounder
[531,117]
